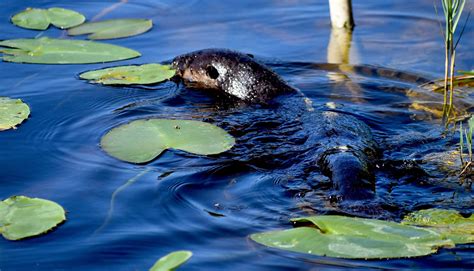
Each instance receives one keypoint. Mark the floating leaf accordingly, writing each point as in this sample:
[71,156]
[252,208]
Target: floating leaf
[32,18]
[448,223]
[40,19]
[126,75]
[65,18]
[172,261]
[58,51]
[12,112]
[355,238]
[141,141]
[22,217]
[112,29]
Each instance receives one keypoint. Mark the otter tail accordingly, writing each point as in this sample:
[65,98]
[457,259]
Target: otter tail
[351,173]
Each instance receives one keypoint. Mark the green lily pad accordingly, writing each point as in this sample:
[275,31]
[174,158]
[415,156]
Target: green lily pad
[172,261]
[112,29]
[59,51]
[354,238]
[40,19]
[127,75]
[448,223]
[12,112]
[22,217]
[141,141]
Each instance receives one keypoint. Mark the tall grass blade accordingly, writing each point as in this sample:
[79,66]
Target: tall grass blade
[461,143]
[462,30]
[457,14]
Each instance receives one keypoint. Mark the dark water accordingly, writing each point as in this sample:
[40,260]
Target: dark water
[209,205]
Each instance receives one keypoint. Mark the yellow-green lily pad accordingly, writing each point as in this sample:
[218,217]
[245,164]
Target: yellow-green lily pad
[141,141]
[22,217]
[448,223]
[171,261]
[12,112]
[59,51]
[354,238]
[112,29]
[40,19]
[133,74]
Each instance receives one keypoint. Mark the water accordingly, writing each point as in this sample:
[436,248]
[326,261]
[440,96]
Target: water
[210,205]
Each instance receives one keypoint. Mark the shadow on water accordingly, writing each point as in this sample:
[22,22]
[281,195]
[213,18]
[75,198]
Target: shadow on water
[211,204]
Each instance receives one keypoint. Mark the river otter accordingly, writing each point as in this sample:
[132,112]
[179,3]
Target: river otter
[341,146]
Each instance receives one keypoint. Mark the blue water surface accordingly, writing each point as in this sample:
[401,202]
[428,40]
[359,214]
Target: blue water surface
[210,205]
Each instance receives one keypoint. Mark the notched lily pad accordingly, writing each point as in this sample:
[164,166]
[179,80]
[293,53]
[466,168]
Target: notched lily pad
[58,51]
[448,223]
[22,217]
[127,75]
[141,141]
[354,238]
[40,19]
[12,112]
[112,29]
[172,261]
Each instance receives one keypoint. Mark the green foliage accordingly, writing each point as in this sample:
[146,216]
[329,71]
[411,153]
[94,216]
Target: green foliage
[448,223]
[22,217]
[354,238]
[126,75]
[171,261]
[452,13]
[112,29]
[141,141]
[40,19]
[58,51]
[452,10]
[466,134]
[12,112]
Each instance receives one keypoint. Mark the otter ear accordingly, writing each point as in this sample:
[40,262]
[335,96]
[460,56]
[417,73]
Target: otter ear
[212,72]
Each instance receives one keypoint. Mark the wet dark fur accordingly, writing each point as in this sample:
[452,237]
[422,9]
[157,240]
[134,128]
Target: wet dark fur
[340,145]
[236,74]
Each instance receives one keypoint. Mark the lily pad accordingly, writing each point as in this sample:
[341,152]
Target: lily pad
[141,141]
[172,261]
[40,19]
[127,75]
[354,238]
[22,217]
[59,51]
[448,223]
[12,112]
[112,29]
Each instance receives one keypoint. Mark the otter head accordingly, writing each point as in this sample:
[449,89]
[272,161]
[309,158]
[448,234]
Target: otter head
[208,69]
[230,72]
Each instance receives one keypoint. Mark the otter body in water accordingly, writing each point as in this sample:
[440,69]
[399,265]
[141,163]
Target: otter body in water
[340,145]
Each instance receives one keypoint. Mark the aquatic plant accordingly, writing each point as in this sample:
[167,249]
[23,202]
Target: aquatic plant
[467,135]
[12,112]
[172,260]
[452,10]
[23,217]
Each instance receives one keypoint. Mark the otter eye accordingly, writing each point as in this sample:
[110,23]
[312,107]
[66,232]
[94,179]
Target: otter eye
[212,72]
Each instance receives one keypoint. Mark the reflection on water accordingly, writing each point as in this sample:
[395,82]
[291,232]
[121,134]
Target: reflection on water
[211,204]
